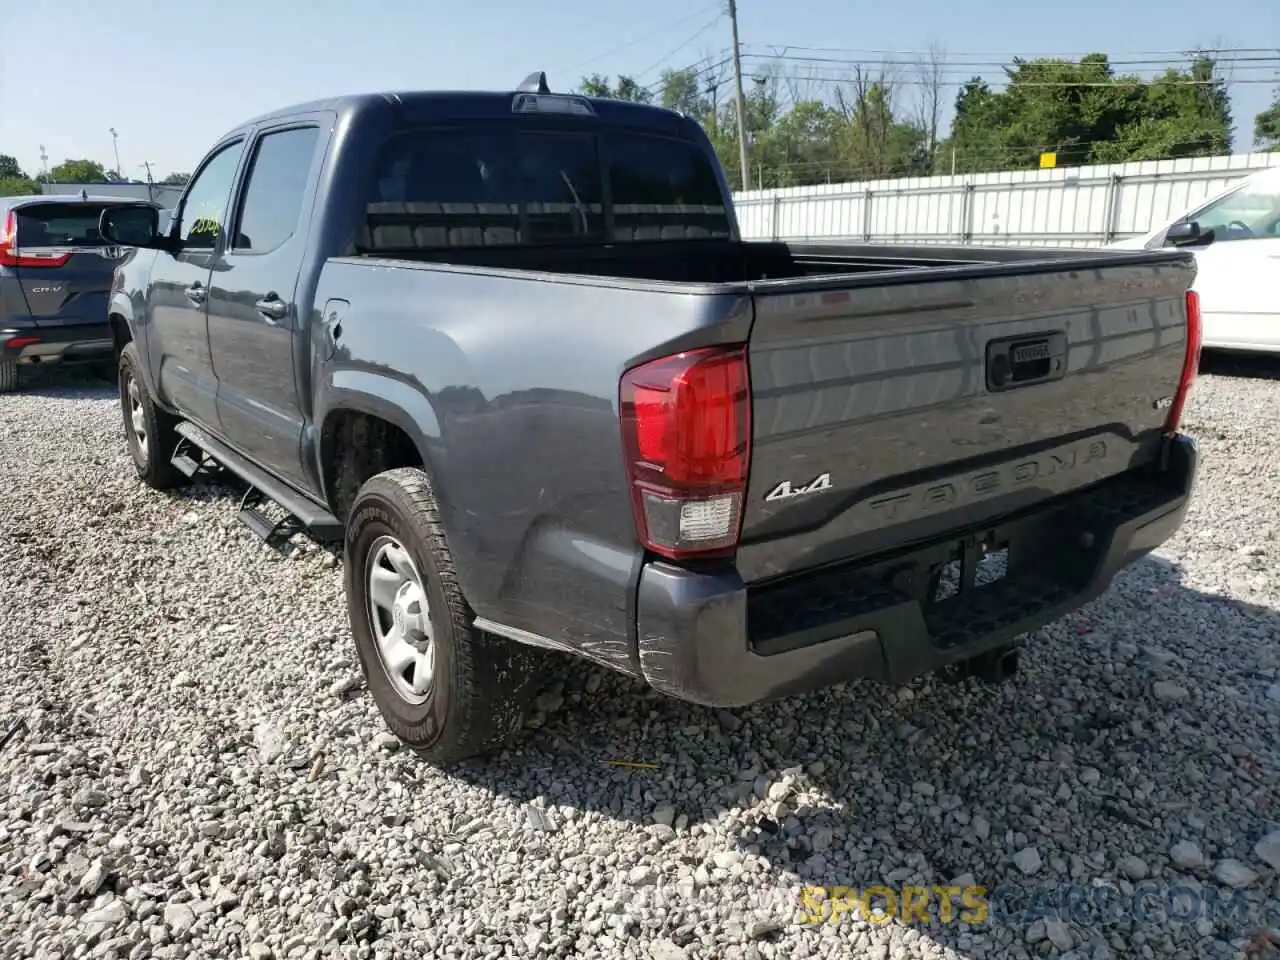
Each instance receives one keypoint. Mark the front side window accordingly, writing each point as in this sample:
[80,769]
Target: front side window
[272,203]
[207,199]
[1250,212]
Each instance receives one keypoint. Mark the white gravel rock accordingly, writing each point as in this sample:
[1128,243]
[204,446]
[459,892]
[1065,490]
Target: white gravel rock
[197,771]
[1268,850]
[1234,873]
[1186,855]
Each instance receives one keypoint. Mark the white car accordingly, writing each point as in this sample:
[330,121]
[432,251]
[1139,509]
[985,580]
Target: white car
[1236,240]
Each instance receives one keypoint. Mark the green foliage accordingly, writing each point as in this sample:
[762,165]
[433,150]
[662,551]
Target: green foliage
[625,89]
[1266,127]
[176,180]
[1085,113]
[13,182]
[864,128]
[18,187]
[78,171]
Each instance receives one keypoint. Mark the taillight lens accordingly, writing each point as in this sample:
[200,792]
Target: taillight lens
[686,428]
[1190,363]
[9,249]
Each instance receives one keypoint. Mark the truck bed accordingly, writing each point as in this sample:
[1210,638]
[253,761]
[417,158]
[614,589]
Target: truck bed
[715,261]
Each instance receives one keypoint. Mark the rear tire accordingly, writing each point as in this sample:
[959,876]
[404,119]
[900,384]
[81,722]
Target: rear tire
[8,376]
[149,431]
[458,692]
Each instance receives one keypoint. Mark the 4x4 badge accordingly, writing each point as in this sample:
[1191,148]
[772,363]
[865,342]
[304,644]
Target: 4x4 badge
[785,490]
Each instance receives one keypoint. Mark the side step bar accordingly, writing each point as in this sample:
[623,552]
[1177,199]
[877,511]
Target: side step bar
[196,452]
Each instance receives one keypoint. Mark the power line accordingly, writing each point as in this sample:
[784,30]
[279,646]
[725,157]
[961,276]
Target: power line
[694,71]
[664,28]
[952,66]
[1055,84]
[913,56]
[699,32]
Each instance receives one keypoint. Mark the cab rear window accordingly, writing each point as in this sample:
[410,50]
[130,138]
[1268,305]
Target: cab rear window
[485,187]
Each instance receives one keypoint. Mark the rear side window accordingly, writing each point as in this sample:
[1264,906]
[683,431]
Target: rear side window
[484,187]
[662,190]
[60,225]
[272,203]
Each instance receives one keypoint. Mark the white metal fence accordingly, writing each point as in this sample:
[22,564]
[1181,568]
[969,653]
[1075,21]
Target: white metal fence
[1066,207]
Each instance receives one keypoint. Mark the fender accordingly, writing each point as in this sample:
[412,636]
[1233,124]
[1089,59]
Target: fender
[404,404]
[379,395]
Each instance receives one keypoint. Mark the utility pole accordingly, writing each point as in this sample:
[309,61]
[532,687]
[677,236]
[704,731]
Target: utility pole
[44,162]
[741,109]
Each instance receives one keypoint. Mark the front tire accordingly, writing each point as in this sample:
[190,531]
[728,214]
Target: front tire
[8,376]
[150,432]
[445,689]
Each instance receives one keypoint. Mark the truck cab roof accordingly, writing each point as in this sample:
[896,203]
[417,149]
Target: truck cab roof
[427,106]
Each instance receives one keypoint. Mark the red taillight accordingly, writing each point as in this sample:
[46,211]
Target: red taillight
[1190,363]
[9,249]
[17,343]
[686,428]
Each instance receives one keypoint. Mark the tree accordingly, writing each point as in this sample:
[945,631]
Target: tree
[626,89]
[931,75]
[861,125]
[1266,127]
[18,187]
[176,180]
[78,171]
[9,169]
[1085,113]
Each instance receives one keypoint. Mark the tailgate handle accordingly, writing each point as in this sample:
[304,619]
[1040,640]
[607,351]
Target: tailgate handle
[1025,360]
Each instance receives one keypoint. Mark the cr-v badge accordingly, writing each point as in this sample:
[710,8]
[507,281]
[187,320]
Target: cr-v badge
[785,490]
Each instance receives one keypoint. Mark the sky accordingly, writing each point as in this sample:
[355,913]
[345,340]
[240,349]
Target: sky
[172,75]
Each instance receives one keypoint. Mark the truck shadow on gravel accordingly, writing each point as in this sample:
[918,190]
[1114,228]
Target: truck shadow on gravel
[72,382]
[1249,366]
[1146,719]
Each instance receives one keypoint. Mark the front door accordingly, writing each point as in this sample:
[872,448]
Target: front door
[178,340]
[253,320]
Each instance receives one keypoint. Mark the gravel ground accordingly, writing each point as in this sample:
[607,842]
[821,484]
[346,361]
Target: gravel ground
[195,770]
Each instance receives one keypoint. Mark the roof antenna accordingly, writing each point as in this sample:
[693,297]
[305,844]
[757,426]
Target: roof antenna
[84,194]
[534,83]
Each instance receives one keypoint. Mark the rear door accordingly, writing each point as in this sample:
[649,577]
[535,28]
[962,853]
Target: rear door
[892,409]
[62,266]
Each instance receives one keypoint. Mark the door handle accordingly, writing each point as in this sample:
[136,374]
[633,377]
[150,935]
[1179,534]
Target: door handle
[195,293]
[272,307]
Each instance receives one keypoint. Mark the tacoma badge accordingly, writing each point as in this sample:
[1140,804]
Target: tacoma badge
[785,491]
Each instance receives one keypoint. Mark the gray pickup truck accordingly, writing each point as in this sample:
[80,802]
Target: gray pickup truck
[512,349]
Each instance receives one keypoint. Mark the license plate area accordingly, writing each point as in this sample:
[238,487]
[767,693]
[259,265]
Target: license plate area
[975,563]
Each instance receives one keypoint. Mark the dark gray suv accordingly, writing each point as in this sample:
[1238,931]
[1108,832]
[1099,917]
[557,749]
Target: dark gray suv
[55,277]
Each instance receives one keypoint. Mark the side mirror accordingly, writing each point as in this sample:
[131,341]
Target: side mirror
[132,226]
[1186,233]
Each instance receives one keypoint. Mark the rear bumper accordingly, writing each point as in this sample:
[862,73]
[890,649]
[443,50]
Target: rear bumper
[32,344]
[710,639]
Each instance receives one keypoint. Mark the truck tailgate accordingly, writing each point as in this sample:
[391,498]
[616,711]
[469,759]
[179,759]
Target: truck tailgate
[894,409]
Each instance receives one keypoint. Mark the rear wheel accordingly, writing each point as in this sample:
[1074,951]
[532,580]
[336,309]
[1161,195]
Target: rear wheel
[444,688]
[8,376]
[150,431]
